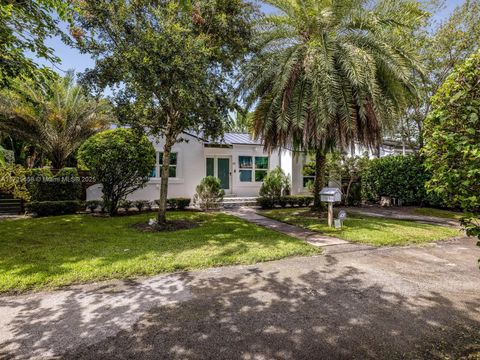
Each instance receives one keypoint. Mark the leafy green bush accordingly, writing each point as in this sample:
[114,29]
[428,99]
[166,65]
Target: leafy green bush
[452,138]
[265,202]
[209,193]
[398,176]
[64,185]
[103,154]
[48,208]
[13,180]
[178,203]
[275,184]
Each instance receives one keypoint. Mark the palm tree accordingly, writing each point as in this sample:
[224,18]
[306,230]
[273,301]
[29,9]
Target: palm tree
[327,73]
[56,115]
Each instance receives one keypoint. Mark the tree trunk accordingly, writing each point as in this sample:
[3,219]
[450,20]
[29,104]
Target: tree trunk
[320,161]
[162,206]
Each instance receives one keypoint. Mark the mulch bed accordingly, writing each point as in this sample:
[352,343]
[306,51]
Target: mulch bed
[172,225]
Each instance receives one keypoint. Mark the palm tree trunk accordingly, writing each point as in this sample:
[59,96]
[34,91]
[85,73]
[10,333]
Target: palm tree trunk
[320,161]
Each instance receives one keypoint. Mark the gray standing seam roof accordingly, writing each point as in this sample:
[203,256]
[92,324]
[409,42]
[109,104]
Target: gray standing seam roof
[230,139]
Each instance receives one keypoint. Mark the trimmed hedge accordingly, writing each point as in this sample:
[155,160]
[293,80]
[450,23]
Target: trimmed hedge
[176,203]
[47,208]
[283,201]
[399,176]
[44,186]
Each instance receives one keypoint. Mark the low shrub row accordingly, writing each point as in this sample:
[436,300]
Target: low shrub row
[140,205]
[178,203]
[47,208]
[284,201]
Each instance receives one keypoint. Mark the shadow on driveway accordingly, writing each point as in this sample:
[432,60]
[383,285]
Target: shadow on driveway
[383,304]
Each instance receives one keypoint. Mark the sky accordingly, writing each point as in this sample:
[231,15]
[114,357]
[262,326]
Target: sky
[72,59]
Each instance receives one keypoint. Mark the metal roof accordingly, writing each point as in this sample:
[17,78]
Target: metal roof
[240,139]
[229,138]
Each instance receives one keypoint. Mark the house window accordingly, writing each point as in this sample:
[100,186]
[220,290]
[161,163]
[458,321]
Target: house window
[252,168]
[172,170]
[261,167]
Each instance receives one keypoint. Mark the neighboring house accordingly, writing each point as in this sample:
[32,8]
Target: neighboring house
[239,161]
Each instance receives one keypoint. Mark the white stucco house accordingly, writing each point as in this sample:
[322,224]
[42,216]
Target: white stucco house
[239,161]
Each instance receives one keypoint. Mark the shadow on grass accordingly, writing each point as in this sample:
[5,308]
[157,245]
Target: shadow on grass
[62,250]
[332,312]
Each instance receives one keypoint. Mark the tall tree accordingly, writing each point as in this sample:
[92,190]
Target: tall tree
[56,115]
[441,47]
[329,73]
[24,27]
[452,134]
[174,63]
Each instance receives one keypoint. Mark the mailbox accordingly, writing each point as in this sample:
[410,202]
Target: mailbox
[330,195]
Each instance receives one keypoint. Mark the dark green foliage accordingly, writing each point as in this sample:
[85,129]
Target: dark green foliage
[283,201]
[24,27]
[55,116]
[174,66]
[178,203]
[329,73]
[64,185]
[275,184]
[209,193]
[120,160]
[48,208]
[399,176]
[452,136]
[265,202]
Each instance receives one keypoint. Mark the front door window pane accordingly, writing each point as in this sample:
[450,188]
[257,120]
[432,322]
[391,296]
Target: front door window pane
[210,167]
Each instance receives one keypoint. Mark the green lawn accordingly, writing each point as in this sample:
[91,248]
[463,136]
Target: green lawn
[55,251]
[446,214]
[366,229]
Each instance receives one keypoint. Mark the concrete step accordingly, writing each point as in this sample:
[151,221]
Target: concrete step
[231,202]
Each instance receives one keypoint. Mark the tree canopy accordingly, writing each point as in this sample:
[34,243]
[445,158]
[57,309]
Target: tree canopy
[328,73]
[171,66]
[24,27]
[452,137]
[121,160]
[56,115]
[441,47]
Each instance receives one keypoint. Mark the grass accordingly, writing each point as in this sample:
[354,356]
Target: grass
[55,251]
[445,214]
[366,229]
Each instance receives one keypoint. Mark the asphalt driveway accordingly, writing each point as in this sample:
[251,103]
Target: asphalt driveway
[387,303]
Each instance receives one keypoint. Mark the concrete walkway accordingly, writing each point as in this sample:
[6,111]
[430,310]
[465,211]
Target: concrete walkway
[331,244]
[390,303]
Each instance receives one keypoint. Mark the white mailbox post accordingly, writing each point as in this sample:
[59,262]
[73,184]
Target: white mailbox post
[330,196]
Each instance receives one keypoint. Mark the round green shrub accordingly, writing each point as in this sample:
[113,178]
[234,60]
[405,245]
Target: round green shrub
[119,159]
